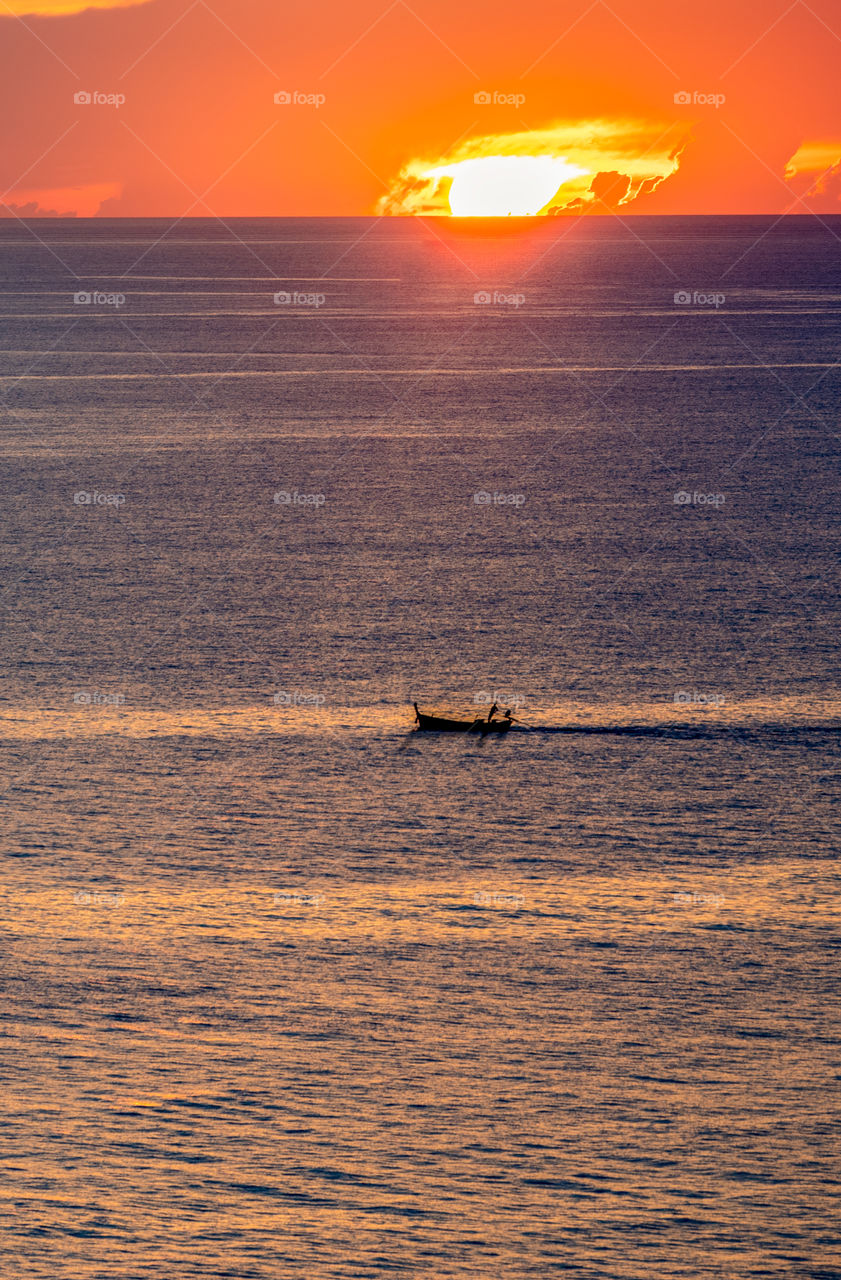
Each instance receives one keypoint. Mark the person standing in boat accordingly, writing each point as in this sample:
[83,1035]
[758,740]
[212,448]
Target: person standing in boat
[492,712]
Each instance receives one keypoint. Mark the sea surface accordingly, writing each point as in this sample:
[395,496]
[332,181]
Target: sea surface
[290,990]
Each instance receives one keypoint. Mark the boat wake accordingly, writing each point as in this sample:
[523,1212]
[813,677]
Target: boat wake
[682,730]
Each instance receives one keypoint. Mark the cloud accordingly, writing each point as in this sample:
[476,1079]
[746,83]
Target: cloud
[59,202]
[814,175]
[58,8]
[628,158]
[32,210]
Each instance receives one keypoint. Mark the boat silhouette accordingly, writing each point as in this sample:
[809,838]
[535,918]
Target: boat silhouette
[480,725]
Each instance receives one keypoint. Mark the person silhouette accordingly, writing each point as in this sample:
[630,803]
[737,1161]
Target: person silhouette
[492,712]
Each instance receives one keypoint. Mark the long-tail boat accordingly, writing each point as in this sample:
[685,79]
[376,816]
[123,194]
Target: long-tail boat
[441,724]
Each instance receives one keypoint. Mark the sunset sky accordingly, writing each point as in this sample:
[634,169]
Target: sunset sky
[648,107]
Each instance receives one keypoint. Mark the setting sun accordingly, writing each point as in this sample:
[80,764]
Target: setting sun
[568,167]
[496,186]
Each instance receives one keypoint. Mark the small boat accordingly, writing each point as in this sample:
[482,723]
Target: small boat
[440,724]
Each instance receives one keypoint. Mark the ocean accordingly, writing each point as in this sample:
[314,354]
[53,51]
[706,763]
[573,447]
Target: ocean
[291,990]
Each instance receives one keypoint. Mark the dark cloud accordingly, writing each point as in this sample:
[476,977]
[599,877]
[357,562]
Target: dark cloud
[32,210]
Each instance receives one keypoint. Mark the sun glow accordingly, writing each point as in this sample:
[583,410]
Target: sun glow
[498,186]
[572,166]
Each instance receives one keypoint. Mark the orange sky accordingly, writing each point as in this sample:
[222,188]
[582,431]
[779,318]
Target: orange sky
[199,131]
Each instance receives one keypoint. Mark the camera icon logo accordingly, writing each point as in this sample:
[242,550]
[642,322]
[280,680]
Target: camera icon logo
[83,299]
[82,699]
[482,499]
[82,98]
[482,98]
[482,298]
[683,298]
[681,498]
[282,98]
[682,99]
[282,299]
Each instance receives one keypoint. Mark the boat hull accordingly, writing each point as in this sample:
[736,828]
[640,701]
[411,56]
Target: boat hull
[440,724]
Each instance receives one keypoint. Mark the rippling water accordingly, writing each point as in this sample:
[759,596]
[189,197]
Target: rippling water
[291,990]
